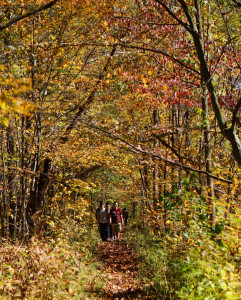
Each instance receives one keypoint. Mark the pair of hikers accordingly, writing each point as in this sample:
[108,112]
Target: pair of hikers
[109,221]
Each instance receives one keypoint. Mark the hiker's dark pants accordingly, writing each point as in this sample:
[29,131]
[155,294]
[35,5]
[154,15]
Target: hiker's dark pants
[104,231]
[109,232]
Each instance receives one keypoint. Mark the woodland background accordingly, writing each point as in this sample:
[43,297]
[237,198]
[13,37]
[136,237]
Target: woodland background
[136,101]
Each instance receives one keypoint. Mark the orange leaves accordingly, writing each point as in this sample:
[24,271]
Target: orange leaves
[43,271]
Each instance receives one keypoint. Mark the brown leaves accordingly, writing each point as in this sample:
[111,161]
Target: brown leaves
[121,271]
[38,271]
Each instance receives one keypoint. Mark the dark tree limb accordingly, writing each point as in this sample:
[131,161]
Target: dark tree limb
[237,3]
[28,14]
[234,120]
[170,12]
[167,145]
[86,172]
[159,51]
[136,149]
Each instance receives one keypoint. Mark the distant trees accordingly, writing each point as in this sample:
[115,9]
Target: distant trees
[157,79]
[51,72]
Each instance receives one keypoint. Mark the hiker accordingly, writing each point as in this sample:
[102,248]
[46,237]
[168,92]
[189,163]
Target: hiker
[116,220]
[125,216]
[109,233]
[102,221]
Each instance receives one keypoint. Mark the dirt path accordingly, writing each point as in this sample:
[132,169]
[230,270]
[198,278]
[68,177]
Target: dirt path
[120,271]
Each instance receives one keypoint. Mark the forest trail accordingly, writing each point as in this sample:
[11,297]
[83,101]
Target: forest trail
[121,272]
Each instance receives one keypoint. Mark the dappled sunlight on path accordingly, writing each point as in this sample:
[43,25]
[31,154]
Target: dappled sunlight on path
[120,272]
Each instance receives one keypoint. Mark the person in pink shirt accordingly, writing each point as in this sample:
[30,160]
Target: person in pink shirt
[116,220]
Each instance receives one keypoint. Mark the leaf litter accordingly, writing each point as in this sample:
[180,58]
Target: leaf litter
[120,272]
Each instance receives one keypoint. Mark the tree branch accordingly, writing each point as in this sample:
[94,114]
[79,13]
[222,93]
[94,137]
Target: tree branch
[237,3]
[185,25]
[237,107]
[189,17]
[30,13]
[135,149]
[90,98]
[164,143]
[85,173]
[160,52]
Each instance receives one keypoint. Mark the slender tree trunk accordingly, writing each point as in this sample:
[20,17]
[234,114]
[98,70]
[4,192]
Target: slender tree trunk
[4,216]
[155,171]
[206,122]
[23,185]
[208,160]
[134,201]
[164,198]
[173,141]
[143,196]
[11,181]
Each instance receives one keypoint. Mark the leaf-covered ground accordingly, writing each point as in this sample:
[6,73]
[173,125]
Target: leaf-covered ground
[60,269]
[120,272]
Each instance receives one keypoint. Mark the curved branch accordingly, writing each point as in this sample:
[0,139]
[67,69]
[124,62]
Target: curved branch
[31,13]
[164,143]
[86,172]
[174,16]
[135,149]
[160,52]
[189,17]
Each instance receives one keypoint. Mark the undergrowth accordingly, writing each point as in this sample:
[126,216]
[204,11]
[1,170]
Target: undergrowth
[178,268]
[62,267]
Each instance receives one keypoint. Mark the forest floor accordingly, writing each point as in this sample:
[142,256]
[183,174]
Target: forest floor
[120,272]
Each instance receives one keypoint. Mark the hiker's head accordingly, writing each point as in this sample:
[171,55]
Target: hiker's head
[107,205]
[115,205]
[102,203]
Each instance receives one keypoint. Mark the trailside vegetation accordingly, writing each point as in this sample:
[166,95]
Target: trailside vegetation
[130,101]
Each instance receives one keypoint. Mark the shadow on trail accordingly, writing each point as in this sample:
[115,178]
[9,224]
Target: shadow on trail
[121,272]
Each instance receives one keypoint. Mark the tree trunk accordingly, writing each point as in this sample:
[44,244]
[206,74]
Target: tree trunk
[11,180]
[155,171]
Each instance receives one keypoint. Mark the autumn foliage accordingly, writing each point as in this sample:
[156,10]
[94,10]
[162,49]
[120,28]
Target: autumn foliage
[136,101]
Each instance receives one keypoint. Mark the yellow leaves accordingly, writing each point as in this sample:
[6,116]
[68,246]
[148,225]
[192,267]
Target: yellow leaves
[165,88]
[4,121]
[144,80]
[43,269]
[106,24]
[11,91]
